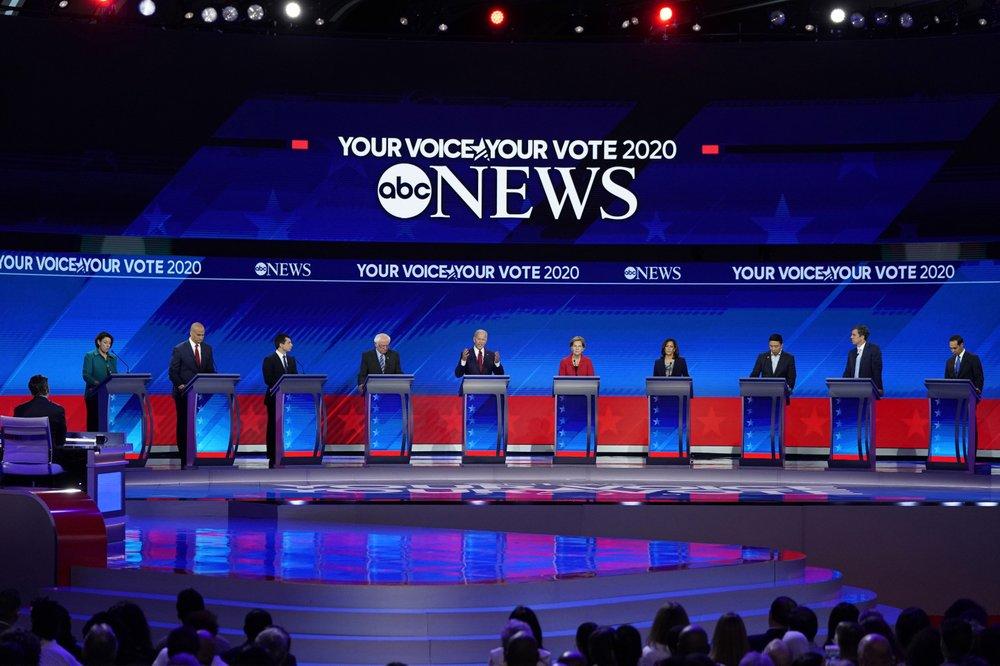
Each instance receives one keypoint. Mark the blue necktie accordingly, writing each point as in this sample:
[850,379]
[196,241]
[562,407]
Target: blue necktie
[958,363]
[857,365]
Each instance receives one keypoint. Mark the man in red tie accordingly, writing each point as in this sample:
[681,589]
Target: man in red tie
[479,360]
[188,359]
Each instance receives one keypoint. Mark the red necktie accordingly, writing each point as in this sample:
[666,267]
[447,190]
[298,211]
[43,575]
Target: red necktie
[479,360]
[197,355]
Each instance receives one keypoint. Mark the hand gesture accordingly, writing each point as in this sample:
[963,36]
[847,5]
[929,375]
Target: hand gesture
[465,355]
[496,358]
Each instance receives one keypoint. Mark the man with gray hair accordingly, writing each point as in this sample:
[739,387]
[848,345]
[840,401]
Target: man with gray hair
[875,650]
[478,360]
[379,361]
[278,644]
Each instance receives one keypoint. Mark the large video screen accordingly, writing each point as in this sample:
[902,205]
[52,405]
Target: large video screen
[720,314]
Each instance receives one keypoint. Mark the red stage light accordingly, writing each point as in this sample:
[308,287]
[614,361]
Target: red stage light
[664,14]
[497,17]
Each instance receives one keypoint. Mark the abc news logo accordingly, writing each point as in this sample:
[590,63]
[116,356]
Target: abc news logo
[405,191]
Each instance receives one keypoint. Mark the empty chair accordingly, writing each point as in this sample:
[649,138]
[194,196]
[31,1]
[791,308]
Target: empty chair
[27,448]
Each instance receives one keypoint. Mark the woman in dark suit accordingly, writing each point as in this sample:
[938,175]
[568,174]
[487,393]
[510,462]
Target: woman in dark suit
[97,365]
[576,364]
[670,363]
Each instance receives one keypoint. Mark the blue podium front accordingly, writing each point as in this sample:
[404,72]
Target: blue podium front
[300,420]
[852,422]
[484,418]
[763,439]
[123,406]
[575,419]
[952,437]
[669,406]
[388,405]
[213,419]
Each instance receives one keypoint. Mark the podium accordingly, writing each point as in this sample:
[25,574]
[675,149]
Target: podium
[763,440]
[213,419]
[952,438]
[484,418]
[389,408]
[299,420]
[669,408]
[575,419]
[852,422]
[123,406]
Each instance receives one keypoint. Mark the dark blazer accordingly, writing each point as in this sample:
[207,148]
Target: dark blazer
[680,368]
[472,368]
[370,366]
[971,368]
[586,368]
[871,364]
[786,367]
[273,369]
[183,367]
[42,406]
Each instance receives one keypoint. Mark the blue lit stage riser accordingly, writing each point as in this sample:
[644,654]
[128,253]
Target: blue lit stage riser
[575,419]
[213,419]
[763,435]
[389,410]
[852,422]
[952,436]
[299,419]
[669,410]
[484,418]
[123,406]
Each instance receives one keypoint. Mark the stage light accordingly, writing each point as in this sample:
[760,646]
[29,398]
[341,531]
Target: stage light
[63,4]
[293,10]
[320,21]
[696,27]
[951,503]
[664,14]
[230,13]
[188,15]
[906,20]
[404,21]
[578,29]
[857,20]
[838,15]
[982,22]
[635,20]
[497,17]
[255,12]
[777,18]
[442,27]
[625,24]
[208,15]
[809,27]
[147,7]
[881,19]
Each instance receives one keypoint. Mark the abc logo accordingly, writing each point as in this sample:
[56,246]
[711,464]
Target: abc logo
[260,268]
[630,273]
[404,191]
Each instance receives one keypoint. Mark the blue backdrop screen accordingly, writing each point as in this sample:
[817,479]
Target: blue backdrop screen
[721,315]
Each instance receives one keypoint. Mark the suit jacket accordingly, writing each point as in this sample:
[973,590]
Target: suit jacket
[42,406]
[786,367]
[566,368]
[183,367]
[96,369]
[370,366]
[680,368]
[472,368]
[871,364]
[273,370]
[971,368]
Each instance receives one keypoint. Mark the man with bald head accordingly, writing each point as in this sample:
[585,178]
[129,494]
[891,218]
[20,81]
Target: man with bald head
[188,359]
[875,650]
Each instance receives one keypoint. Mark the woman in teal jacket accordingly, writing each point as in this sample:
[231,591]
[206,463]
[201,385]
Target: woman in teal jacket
[97,365]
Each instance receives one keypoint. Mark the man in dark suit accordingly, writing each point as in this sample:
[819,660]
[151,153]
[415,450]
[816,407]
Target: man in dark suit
[40,405]
[478,360]
[379,361]
[864,361]
[281,362]
[963,364]
[188,359]
[776,363]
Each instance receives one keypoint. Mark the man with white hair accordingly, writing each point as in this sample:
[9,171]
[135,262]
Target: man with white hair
[477,359]
[379,361]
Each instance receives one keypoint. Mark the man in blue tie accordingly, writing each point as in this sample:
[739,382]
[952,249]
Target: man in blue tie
[963,364]
[864,361]
[379,361]
[281,362]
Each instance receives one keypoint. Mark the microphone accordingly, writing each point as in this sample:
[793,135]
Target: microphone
[576,362]
[127,366]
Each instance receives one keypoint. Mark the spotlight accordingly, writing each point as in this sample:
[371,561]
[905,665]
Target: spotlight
[857,20]
[982,22]
[497,17]
[809,27]
[625,24]
[906,20]
[635,20]
[442,27]
[293,10]
[147,7]
[696,27]
[777,18]
[404,21]
[63,4]
[578,29]
[664,14]
[188,15]
[881,19]
[255,12]
[838,15]
[208,15]
[230,13]
[320,21]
